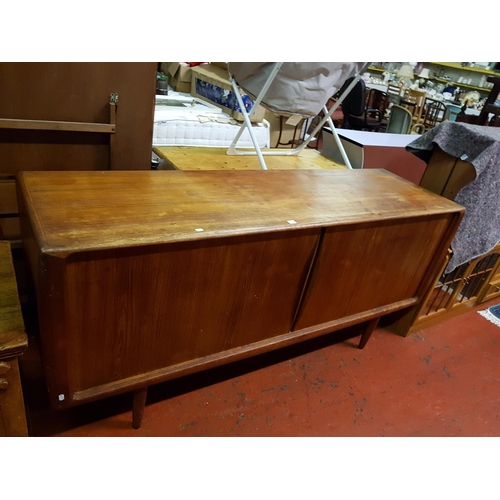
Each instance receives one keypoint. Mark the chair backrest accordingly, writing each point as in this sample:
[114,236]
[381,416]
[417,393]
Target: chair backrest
[393,93]
[465,118]
[354,103]
[435,112]
[417,98]
[399,120]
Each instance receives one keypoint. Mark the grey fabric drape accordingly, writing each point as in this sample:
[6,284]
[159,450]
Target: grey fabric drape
[479,231]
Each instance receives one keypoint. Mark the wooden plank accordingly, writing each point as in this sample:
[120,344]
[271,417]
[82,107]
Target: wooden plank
[447,175]
[13,339]
[10,228]
[187,158]
[114,209]
[57,125]
[236,354]
[8,199]
[438,171]
[112,142]
[462,174]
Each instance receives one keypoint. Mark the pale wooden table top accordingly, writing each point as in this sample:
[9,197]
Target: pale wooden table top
[196,158]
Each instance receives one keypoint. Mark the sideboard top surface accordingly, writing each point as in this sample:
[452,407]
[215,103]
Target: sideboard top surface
[82,211]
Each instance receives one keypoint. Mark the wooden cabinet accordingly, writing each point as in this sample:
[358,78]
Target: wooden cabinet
[472,78]
[448,73]
[478,279]
[146,276]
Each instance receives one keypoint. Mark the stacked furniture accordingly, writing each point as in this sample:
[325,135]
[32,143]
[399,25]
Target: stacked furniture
[462,165]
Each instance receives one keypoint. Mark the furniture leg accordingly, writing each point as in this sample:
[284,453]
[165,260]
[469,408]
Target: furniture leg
[138,407]
[12,414]
[370,326]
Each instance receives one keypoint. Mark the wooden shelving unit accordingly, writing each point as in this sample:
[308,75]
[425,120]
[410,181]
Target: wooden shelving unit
[456,66]
[466,68]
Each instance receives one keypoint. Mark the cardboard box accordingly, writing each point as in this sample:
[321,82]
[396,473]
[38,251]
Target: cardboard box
[184,87]
[180,75]
[212,84]
[222,65]
[181,71]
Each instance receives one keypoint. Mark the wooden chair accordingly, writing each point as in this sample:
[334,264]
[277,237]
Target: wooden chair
[465,118]
[393,93]
[434,113]
[414,101]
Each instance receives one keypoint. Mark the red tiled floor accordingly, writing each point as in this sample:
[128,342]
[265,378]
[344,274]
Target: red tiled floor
[442,381]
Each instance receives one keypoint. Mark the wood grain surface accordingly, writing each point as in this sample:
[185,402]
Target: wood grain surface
[81,211]
[13,339]
[382,265]
[192,158]
[13,342]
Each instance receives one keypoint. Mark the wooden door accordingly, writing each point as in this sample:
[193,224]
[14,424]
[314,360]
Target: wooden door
[147,309]
[362,268]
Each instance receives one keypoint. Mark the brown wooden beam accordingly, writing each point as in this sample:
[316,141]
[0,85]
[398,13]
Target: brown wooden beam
[106,128]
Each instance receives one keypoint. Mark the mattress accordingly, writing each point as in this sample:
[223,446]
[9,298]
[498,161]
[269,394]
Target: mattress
[201,125]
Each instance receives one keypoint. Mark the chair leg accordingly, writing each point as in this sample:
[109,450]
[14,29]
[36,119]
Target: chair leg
[138,407]
[370,326]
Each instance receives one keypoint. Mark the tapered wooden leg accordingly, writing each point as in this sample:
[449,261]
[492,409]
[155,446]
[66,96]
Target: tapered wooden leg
[370,326]
[138,407]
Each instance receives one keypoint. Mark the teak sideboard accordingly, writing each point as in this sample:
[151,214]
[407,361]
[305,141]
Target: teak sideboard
[144,276]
